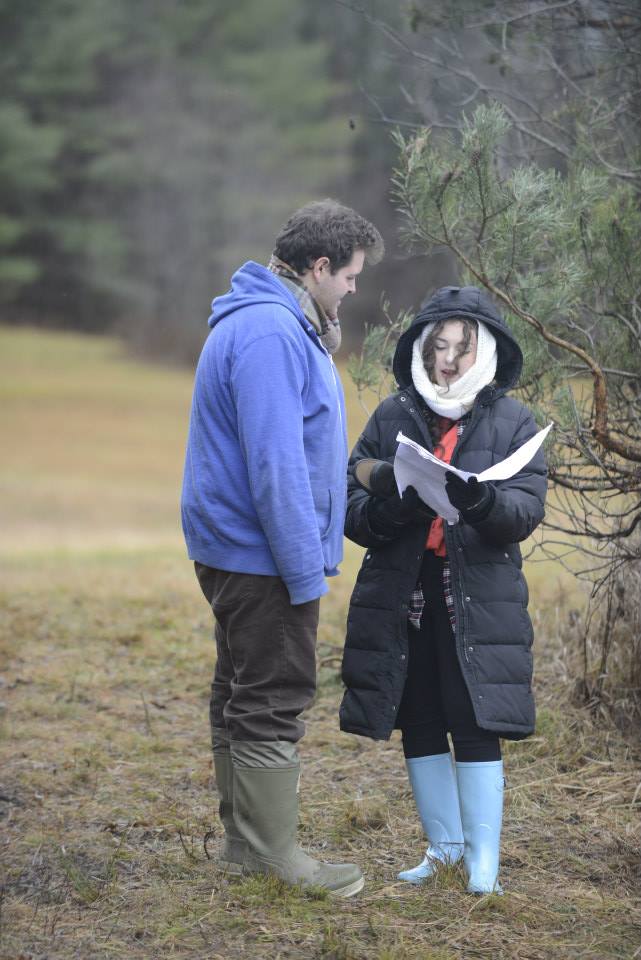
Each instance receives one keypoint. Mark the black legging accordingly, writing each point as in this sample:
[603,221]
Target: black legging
[435,699]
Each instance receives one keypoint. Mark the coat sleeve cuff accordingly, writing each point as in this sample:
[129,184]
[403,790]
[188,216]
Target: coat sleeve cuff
[302,591]
[480,513]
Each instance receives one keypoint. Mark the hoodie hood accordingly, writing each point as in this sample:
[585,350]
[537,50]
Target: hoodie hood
[251,285]
[449,303]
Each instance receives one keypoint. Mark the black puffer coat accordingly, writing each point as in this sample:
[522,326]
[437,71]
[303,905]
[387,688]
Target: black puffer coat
[493,628]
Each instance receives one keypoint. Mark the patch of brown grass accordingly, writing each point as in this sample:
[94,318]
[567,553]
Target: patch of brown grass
[107,796]
[106,787]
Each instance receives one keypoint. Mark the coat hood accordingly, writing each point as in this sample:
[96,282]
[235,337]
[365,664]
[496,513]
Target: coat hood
[450,303]
[254,284]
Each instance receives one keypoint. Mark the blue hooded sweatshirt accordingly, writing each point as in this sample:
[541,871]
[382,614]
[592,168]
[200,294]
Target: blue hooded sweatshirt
[264,488]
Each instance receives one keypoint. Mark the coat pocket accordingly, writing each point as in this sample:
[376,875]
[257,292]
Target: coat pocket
[364,669]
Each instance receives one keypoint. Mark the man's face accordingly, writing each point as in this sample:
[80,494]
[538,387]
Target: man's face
[327,288]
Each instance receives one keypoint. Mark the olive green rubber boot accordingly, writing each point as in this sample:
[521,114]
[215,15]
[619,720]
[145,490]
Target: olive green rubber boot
[232,854]
[266,815]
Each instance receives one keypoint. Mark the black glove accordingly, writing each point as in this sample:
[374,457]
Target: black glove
[376,476]
[387,511]
[474,499]
[387,514]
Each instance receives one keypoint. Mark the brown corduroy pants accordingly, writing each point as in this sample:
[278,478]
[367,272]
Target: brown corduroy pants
[265,674]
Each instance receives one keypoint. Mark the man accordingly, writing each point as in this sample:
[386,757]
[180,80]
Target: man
[263,507]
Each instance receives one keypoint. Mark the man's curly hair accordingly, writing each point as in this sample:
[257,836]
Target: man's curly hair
[326,228]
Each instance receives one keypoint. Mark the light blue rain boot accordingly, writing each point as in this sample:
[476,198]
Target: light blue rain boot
[480,787]
[435,793]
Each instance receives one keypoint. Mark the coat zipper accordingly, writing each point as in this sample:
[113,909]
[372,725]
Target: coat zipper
[425,433]
[449,536]
[460,613]
[338,399]
[418,420]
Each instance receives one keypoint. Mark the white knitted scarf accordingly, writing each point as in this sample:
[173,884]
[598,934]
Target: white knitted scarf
[457,398]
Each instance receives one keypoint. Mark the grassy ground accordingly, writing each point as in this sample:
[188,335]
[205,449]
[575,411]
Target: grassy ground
[107,803]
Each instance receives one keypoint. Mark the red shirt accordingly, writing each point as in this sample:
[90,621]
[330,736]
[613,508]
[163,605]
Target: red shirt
[443,450]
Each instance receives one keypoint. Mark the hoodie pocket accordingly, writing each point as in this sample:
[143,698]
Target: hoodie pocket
[327,515]
[338,510]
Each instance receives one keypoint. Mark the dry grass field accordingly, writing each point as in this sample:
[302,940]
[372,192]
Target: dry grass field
[107,802]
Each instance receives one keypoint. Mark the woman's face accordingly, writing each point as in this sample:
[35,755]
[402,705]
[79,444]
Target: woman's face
[451,358]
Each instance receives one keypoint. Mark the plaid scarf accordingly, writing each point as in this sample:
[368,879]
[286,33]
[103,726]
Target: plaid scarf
[328,330]
[417,597]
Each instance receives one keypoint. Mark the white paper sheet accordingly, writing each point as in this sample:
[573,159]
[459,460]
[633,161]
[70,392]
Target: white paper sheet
[417,467]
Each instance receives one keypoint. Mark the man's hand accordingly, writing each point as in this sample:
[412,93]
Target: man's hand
[472,498]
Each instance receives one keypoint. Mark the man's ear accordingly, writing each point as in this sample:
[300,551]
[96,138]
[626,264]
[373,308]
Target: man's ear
[320,268]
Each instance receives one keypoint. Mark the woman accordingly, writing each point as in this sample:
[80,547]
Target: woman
[438,634]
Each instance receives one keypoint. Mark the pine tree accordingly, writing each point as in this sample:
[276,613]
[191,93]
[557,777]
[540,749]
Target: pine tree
[535,195]
[149,151]
[559,254]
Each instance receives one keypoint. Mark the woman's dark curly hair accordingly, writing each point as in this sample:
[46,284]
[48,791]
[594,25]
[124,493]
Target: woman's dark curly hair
[326,228]
[428,352]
